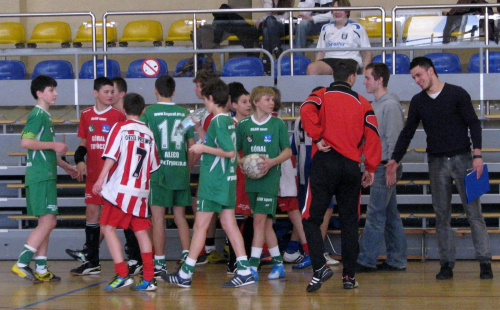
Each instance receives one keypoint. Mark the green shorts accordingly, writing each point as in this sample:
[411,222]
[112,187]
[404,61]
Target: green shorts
[205,205]
[162,197]
[41,198]
[263,203]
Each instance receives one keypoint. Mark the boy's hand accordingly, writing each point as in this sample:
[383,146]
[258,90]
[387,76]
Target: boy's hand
[82,170]
[97,187]
[72,171]
[60,148]
[367,179]
[265,165]
[197,148]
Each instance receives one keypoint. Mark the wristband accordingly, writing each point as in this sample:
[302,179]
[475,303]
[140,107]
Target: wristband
[316,141]
[477,156]
[80,153]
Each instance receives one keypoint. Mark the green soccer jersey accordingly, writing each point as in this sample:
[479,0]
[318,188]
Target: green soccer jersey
[218,174]
[41,164]
[162,118]
[268,138]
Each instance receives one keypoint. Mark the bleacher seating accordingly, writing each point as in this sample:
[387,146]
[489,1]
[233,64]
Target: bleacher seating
[402,62]
[51,32]
[142,31]
[87,70]
[84,34]
[182,62]
[300,64]
[494,58]
[12,70]
[135,69]
[373,26]
[445,62]
[58,69]
[12,33]
[180,30]
[243,66]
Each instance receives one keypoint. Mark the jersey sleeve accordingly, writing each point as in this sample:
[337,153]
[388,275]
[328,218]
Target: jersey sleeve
[82,127]
[33,125]
[112,149]
[225,136]
[309,114]
[239,132]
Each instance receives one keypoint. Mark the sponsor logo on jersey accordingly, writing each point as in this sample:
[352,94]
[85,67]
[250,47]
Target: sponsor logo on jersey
[91,128]
[344,36]
[105,128]
[250,138]
[268,138]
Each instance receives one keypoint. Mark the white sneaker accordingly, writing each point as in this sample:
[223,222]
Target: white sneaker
[293,258]
[330,261]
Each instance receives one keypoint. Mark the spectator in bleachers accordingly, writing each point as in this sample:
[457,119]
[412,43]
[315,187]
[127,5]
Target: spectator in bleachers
[341,33]
[312,21]
[447,114]
[382,216]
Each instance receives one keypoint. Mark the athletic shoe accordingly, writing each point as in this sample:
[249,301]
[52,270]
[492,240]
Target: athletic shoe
[349,283]
[24,272]
[86,269]
[255,274]
[266,259]
[231,268]
[78,255]
[145,285]
[175,278]
[277,272]
[293,258]
[215,257]
[183,258]
[364,269]
[329,260]
[386,267]
[306,262]
[319,276]
[202,259]
[239,280]
[486,272]
[134,268]
[47,277]
[160,272]
[119,282]
[445,273]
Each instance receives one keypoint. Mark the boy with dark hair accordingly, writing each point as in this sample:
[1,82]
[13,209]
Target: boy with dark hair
[95,124]
[167,191]
[130,157]
[120,86]
[41,174]
[217,189]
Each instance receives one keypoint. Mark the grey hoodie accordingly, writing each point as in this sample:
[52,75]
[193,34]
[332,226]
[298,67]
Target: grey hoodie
[390,118]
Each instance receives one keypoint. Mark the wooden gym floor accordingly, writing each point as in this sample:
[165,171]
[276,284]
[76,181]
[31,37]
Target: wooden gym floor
[416,288]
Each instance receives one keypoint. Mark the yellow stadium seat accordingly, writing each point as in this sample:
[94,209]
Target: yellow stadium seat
[51,32]
[180,30]
[12,33]
[373,26]
[423,29]
[142,31]
[84,33]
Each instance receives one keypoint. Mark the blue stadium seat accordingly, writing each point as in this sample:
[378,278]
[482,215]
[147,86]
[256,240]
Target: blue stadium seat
[87,71]
[243,66]
[57,69]
[135,69]
[180,64]
[300,64]
[12,70]
[445,62]
[494,63]
[402,62]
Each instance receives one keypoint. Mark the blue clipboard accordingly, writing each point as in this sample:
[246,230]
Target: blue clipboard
[474,187]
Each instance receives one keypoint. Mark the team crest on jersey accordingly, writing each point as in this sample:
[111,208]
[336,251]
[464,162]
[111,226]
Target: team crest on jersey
[91,128]
[105,128]
[268,138]
[250,138]
[344,36]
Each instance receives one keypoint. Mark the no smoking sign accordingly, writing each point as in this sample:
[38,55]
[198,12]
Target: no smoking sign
[150,67]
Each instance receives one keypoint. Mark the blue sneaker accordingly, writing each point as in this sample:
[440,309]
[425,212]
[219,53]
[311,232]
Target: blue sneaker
[145,285]
[255,274]
[119,282]
[175,278]
[277,272]
[239,280]
[306,262]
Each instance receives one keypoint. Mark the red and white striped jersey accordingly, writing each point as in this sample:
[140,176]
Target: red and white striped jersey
[132,146]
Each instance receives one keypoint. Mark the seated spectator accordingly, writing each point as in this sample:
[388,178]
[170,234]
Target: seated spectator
[342,33]
[311,21]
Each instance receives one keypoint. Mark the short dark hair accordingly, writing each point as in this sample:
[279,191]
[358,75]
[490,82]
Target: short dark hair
[379,70]
[218,90]
[165,86]
[40,83]
[133,104]
[342,3]
[120,83]
[276,99]
[236,89]
[102,81]
[343,68]
[423,62]
[203,76]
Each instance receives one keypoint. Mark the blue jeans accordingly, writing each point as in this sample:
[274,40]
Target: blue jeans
[304,29]
[272,31]
[383,223]
[442,172]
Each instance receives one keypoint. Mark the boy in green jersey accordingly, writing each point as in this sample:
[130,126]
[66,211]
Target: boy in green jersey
[170,185]
[217,188]
[41,173]
[266,135]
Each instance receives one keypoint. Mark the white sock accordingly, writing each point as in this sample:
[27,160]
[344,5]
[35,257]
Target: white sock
[275,251]
[41,269]
[256,252]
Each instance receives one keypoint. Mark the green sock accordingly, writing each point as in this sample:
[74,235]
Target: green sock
[41,264]
[26,255]
[254,261]
[159,262]
[242,264]
[184,255]
[187,270]
[277,260]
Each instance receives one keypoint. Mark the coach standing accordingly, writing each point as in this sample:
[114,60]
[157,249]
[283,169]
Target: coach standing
[447,115]
[343,127]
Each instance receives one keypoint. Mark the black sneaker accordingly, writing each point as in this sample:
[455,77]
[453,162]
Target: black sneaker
[321,275]
[349,282]
[445,273]
[386,267]
[78,255]
[160,272]
[364,269]
[231,268]
[486,272]
[134,268]
[86,269]
[202,259]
